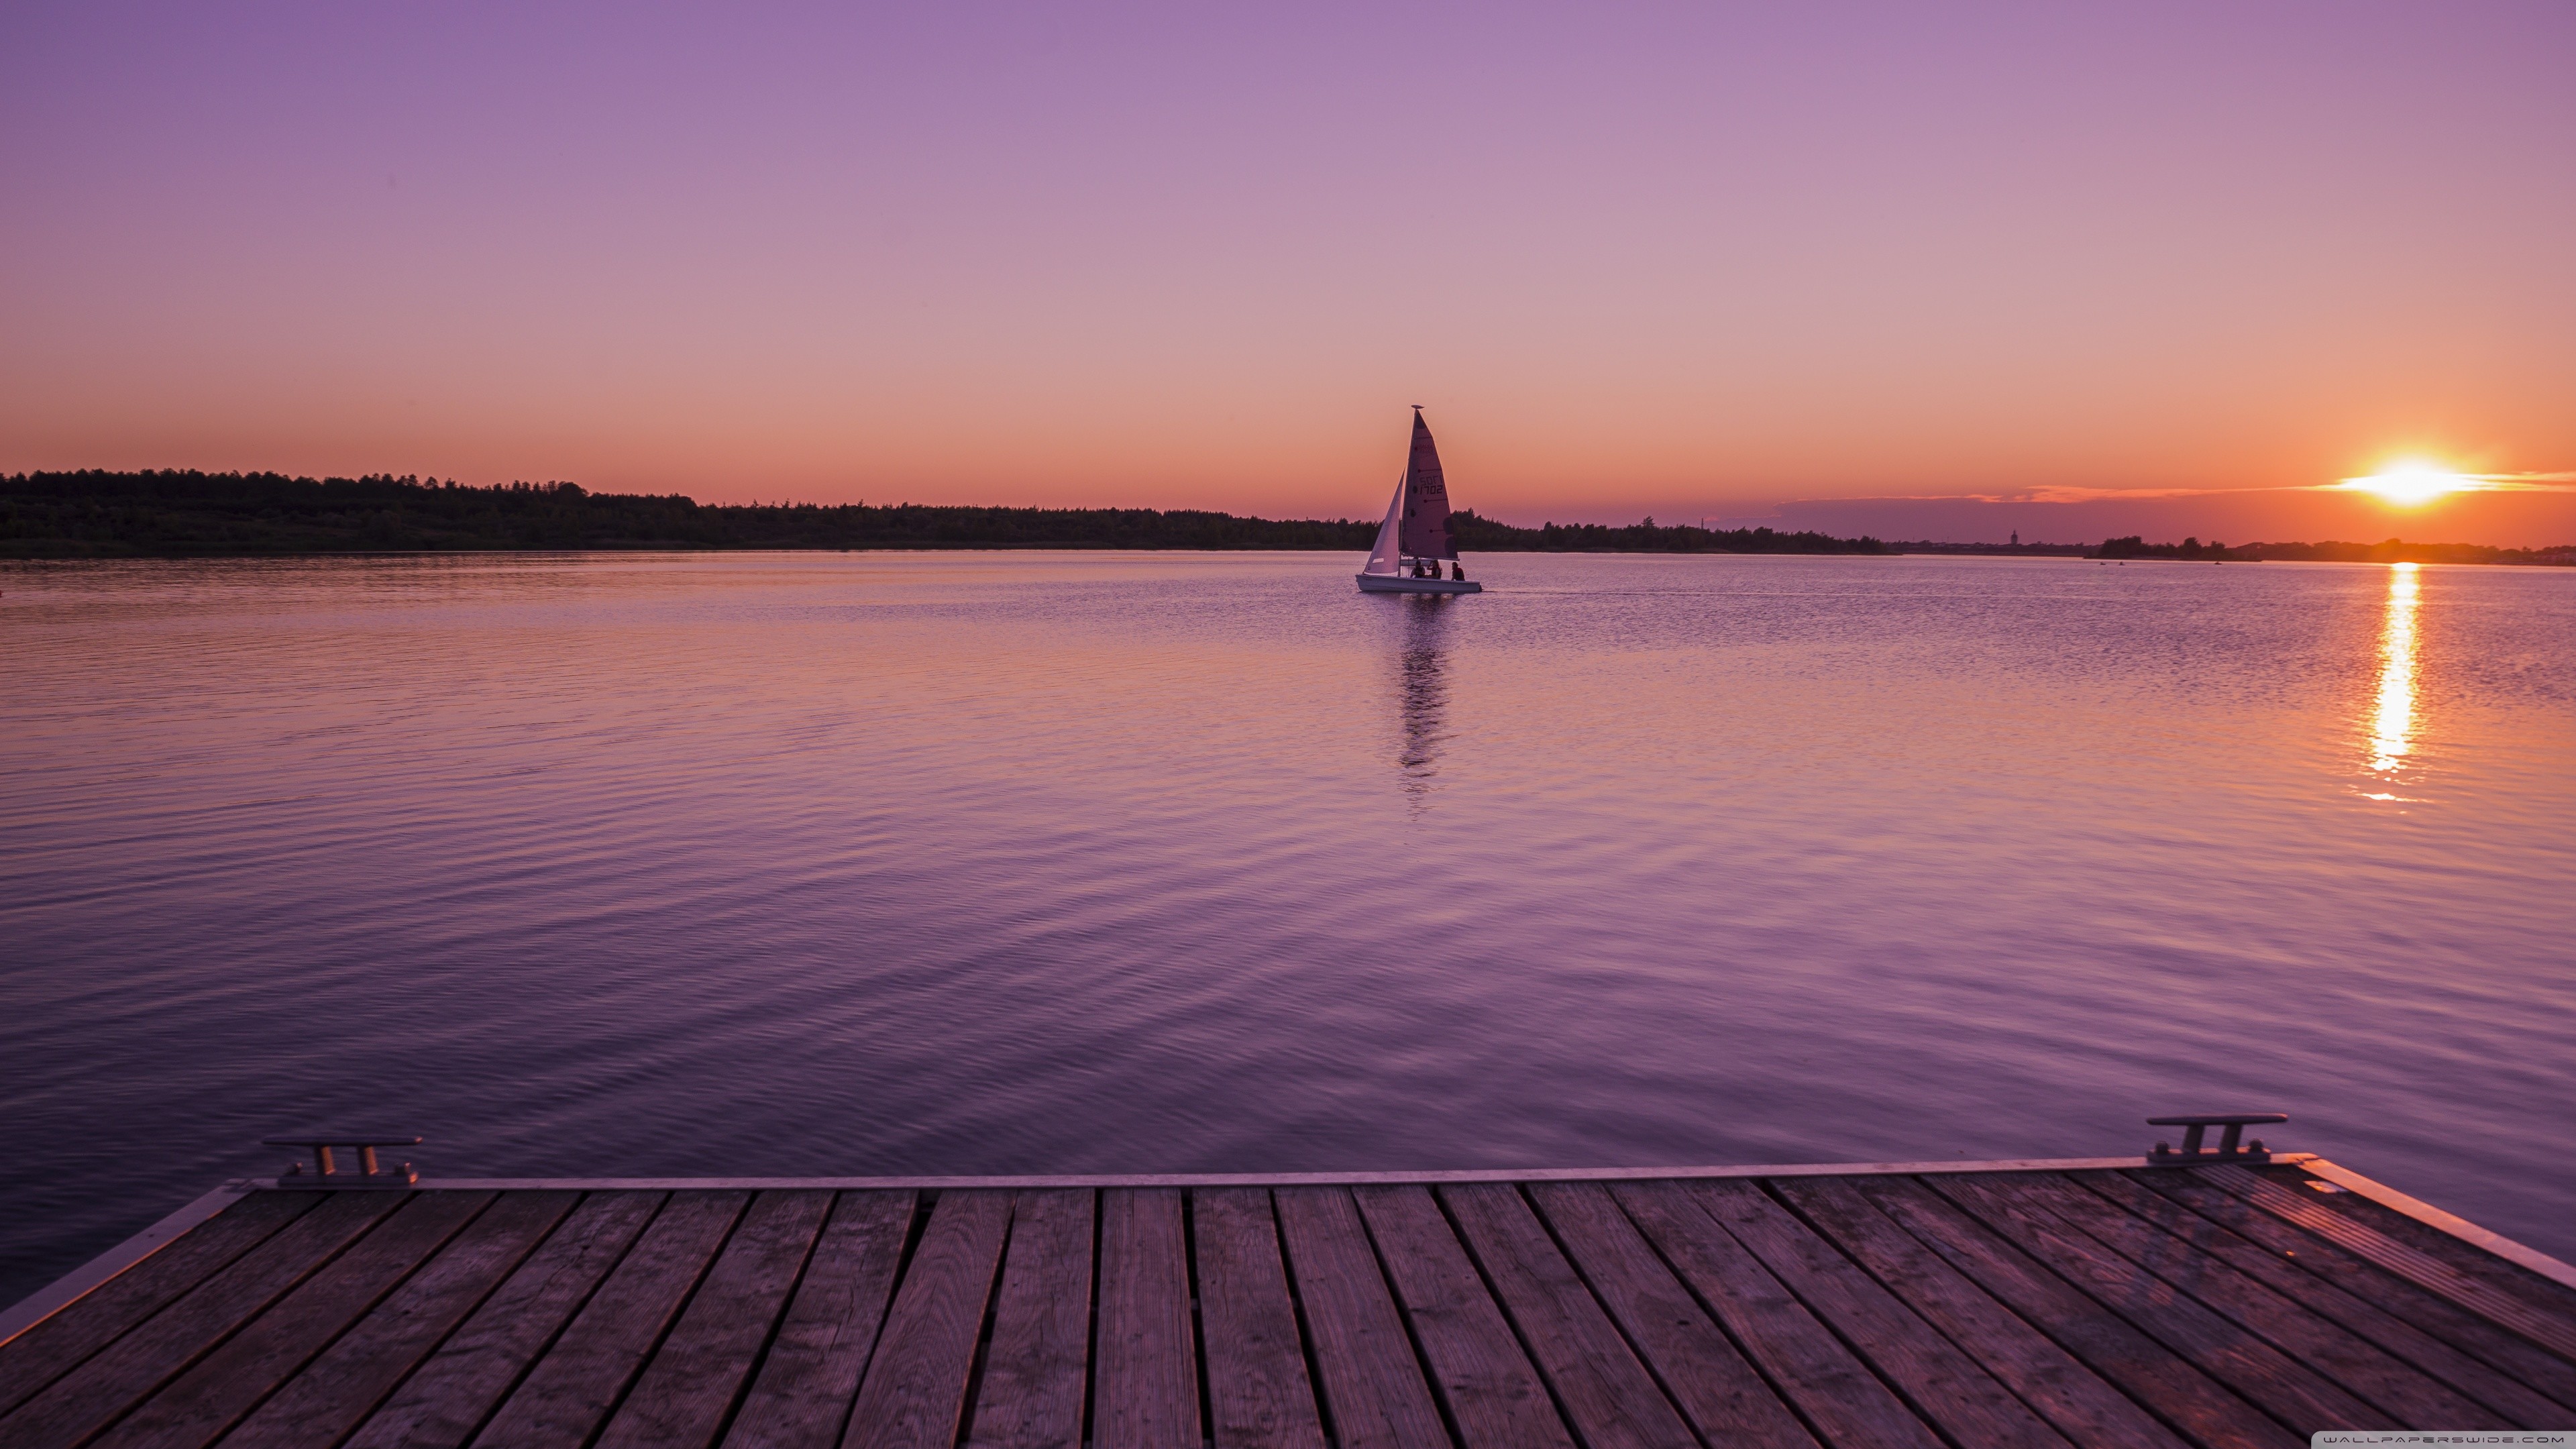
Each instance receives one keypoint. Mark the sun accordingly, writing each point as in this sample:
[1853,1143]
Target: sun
[2409,483]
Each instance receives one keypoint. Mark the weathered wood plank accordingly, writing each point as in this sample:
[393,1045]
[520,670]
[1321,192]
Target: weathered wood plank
[915,1389]
[685,1393]
[2444,1236]
[1101,1182]
[1834,1391]
[2134,1309]
[2290,1391]
[88,1399]
[193,1409]
[2082,1405]
[570,1390]
[1944,1384]
[447,1398]
[1039,1362]
[2199,1406]
[1373,1386]
[1720,1393]
[338,1390]
[2528,1363]
[1144,1381]
[54,1347]
[1494,1393]
[1258,1394]
[2360,1367]
[812,1373]
[1604,1391]
[2441,1274]
[2492,1391]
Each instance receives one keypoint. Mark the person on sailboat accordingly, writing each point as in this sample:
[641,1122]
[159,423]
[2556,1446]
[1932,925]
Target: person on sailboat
[1457,571]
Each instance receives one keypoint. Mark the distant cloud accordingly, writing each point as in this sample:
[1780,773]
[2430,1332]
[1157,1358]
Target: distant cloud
[2465,483]
[2478,483]
[2096,495]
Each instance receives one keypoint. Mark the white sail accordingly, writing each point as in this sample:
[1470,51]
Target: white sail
[1382,554]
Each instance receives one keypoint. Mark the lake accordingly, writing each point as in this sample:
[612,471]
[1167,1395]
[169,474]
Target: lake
[605,865]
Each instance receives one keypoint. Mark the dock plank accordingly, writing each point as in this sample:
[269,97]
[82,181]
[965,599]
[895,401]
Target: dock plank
[2555,1300]
[1257,1389]
[1723,1396]
[811,1373]
[2028,1305]
[193,1409]
[1038,1365]
[2300,1397]
[1943,1383]
[1144,1380]
[339,1389]
[687,1391]
[2198,1405]
[447,1398]
[1373,1386]
[2446,1274]
[52,1348]
[914,1393]
[570,1390]
[2082,1405]
[2402,1391]
[2493,1392]
[89,1398]
[1834,1391]
[1494,1394]
[2508,1352]
[1605,1392]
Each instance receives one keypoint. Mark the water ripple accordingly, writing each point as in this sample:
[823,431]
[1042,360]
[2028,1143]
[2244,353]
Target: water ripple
[857,863]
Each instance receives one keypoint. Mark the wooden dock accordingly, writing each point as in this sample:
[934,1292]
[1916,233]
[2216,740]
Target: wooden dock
[2084,1302]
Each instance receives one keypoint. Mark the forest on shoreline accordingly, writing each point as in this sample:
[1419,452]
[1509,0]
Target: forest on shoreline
[189,514]
[174,514]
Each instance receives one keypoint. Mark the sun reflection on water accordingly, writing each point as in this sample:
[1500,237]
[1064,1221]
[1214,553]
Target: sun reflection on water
[2393,720]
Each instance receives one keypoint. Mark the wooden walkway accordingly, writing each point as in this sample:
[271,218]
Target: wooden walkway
[2086,1303]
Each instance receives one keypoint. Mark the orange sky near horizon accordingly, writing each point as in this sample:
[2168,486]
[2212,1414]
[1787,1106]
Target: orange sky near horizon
[1652,262]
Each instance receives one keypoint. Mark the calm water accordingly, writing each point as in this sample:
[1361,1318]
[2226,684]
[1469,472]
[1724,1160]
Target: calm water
[1001,863]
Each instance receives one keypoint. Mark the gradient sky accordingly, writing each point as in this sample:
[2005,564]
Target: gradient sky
[1690,260]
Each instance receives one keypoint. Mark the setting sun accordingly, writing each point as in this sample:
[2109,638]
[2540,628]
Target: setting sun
[2410,483]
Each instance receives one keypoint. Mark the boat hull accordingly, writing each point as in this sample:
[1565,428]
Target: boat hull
[1402,584]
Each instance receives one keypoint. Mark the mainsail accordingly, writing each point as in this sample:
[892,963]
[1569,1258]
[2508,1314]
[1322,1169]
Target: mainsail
[1424,500]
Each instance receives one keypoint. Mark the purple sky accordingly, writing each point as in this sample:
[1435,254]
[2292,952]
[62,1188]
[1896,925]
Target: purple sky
[1684,260]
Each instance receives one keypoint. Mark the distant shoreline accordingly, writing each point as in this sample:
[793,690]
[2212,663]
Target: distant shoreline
[96,514]
[2192,550]
[168,514]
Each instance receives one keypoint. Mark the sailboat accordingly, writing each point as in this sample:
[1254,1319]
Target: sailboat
[1414,541]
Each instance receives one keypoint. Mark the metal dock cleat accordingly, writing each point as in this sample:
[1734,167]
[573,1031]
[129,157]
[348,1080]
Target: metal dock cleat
[325,1171]
[2228,1150]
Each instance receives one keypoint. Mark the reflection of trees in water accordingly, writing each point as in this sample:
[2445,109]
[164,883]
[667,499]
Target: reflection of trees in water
[1422,693]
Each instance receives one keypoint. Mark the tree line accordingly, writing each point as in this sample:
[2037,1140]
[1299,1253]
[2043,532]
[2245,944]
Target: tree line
[169,513]
[173,513]
[2330,551]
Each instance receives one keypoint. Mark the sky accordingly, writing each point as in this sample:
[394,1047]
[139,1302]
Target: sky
[2175,267]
